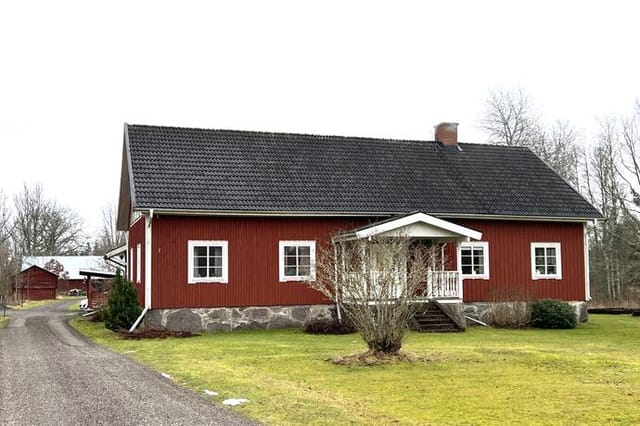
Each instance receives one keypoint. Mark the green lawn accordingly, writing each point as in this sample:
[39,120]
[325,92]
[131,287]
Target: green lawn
[590,375]
[3,321]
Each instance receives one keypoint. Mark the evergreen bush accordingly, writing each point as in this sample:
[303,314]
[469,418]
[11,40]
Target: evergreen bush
[122,308]
[553,314]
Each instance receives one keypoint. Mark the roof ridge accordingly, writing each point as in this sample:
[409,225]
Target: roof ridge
[316,135]
[274,133]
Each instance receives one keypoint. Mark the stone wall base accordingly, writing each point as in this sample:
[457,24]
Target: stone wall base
[227,319]
[480,311]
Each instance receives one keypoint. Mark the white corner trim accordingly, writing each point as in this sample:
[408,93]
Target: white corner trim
[224,279]
[415,218]
[534,273]
[587,266]
[312,254]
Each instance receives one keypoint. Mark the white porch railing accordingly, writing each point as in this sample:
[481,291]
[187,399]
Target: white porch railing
[440,285]
[444,284]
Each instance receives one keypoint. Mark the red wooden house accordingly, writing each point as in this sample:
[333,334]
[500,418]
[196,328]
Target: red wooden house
[35,283]
[225,226]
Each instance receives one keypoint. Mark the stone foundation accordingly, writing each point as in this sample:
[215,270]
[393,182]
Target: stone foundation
[227,319]
[480,311]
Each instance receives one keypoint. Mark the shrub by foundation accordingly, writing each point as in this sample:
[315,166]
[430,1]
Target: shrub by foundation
[122,308]
[553,314]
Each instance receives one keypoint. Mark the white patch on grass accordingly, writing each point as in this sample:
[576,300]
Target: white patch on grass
[130,352]
[165,375]
[235,401]
[210,392]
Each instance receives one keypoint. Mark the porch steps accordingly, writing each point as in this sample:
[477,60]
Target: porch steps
[431,319]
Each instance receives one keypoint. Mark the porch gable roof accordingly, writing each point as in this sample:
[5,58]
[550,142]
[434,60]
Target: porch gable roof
[415,225]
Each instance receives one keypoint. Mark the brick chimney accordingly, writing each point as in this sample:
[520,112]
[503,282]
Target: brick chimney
[447,134]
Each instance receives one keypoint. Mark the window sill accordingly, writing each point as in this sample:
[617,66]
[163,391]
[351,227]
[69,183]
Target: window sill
[546,277]
[207,282]
[295,279]
[474,277]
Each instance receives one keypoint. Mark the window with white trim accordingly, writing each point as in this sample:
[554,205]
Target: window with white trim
[474,260]
[138,263]
[546,261]
[208,262]
[130,264]
[297,260]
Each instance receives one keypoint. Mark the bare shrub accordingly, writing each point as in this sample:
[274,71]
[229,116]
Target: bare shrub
[509,314]
[510,308]
[374,283]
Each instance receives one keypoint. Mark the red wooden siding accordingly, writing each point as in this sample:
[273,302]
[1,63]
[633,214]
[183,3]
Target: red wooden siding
[136,236]
[35,283]
[510,261]
[253,259]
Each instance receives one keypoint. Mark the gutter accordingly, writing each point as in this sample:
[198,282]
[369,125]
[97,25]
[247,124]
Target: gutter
[275,213]
[115,263]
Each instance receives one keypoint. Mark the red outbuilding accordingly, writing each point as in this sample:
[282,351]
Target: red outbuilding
[225,227]
[35,283]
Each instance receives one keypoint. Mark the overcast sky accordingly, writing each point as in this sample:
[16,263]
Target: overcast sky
[71,73]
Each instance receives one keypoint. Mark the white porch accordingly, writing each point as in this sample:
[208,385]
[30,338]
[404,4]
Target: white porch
[441,284]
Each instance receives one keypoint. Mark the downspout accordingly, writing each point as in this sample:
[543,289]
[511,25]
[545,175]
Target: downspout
[135,324]
[147,259]
[147,269]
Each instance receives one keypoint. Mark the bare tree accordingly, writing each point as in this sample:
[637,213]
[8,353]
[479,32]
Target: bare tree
[375,284]
[109,236]
[605,190]
[559,149]
[8,265]
[629,166]
[42,227]
[509,118]
[6,224]
[54,266]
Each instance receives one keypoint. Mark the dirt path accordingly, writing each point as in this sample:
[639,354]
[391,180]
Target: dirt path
[49,375]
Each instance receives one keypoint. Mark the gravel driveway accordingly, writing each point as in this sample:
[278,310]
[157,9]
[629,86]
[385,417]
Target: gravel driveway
[49,375]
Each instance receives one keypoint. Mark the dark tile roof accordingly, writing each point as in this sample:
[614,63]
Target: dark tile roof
[225,170]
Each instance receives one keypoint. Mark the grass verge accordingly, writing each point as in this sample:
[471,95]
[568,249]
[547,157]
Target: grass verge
[590,375]
[3,321]
[30,304]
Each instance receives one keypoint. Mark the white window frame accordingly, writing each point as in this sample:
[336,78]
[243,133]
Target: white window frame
[312,260]
[224,279]
[138,263]
[534,273]
[485,257]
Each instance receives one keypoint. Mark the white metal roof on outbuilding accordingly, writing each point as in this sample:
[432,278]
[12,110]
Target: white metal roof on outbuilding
[71,264]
